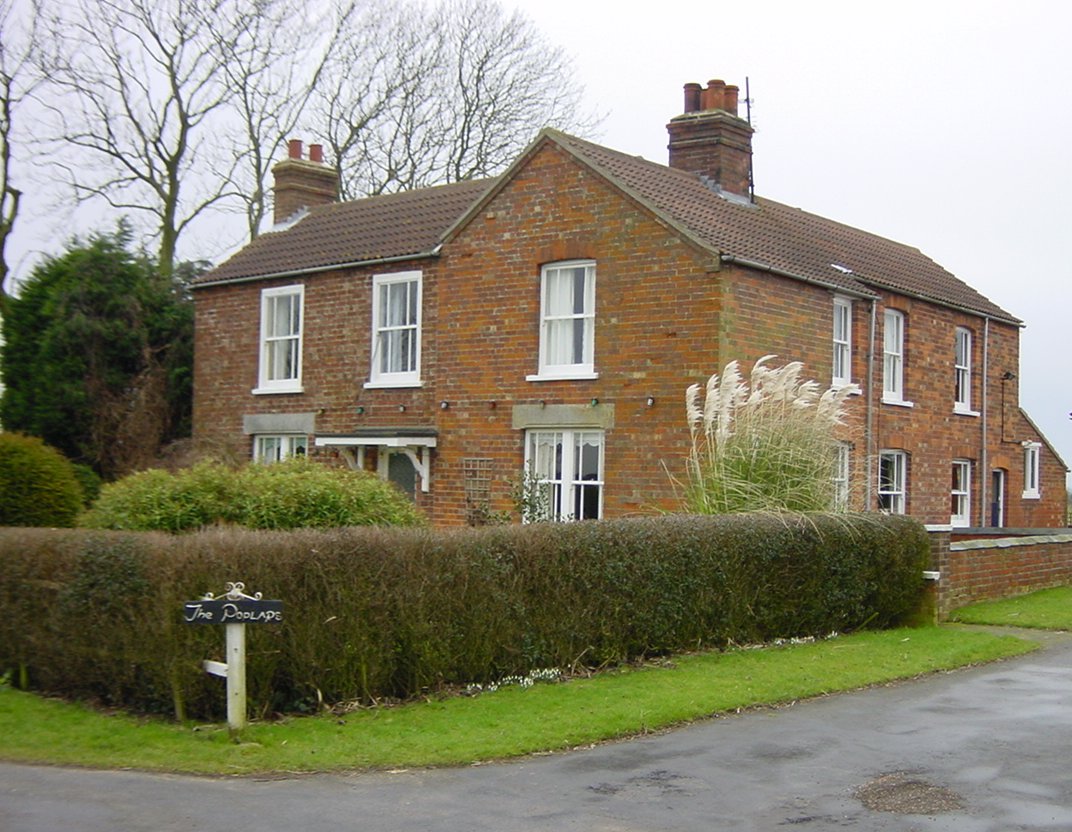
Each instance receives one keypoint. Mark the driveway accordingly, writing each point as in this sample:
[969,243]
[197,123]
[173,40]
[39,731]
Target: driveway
[982,750]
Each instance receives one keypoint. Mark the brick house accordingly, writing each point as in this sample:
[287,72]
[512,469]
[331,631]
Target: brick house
[553,317]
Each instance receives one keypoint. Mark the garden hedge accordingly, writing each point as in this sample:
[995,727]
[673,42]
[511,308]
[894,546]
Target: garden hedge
[380,613]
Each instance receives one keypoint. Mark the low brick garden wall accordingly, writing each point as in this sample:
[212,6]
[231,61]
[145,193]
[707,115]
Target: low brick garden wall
[983,566]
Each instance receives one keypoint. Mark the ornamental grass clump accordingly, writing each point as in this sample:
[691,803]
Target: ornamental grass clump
[765,444]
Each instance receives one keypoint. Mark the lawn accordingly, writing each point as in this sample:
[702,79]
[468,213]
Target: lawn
[1047,609]
[509,722]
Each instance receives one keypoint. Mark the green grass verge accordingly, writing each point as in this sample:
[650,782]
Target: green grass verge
[1047,609]
[510,722]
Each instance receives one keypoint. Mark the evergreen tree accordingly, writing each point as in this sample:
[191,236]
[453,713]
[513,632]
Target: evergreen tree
[97,355]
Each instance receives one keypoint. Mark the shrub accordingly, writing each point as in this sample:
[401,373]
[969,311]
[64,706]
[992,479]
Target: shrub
[288,495]
[768,447]
[377,612]
[38,486]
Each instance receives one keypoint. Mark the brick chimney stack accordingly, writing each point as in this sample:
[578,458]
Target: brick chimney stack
[303,183]
[710,139]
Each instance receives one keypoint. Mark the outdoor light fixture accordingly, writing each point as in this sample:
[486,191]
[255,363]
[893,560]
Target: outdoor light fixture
[651,401]
[360,410]
[401,408]
[443,405]
[594,402]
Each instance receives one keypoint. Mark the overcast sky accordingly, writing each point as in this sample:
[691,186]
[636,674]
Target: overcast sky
[943,125]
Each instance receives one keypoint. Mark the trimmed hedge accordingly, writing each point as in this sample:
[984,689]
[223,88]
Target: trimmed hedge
[378,613]
[294,494]
[38,484]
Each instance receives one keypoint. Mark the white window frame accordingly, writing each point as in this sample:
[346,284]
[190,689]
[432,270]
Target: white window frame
[275,447]
[893,344]
[896,493]
[557,320]
[382,330]
[1032,471]
[843,451]
[842,342]
[564,486]
[962,371]
[960,494]
[269,380]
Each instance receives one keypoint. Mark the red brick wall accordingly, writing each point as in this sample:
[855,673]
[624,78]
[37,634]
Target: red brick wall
[982,570]
[657,319]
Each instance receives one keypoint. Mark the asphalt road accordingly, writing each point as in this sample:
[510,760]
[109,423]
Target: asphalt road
[983,750]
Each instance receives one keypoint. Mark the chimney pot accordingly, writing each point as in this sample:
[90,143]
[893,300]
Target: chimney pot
[304,185]
[730,98]
[711,140]
[692,97]
[712,97]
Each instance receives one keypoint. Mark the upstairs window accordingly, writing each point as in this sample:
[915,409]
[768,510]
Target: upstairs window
[960,508]
[842,342]
[568,469]
[962,371]
[892,481]
[893,338]
[281,340]
[567,321]
[396,330]
[1032,478]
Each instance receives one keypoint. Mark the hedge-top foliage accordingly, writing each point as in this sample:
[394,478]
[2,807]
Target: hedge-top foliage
[377,612]
[38,485]
[288,495]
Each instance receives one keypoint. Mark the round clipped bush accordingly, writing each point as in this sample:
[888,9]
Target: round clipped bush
[300,494]
[38,486]
[156,500]
[288,495]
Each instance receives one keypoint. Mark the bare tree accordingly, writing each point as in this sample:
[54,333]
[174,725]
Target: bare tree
[443,94]
[171,110]
[135,83]
[271,73]
[17,82]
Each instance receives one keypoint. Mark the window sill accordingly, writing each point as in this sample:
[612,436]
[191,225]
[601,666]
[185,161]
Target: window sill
[276,391]
[1031,495]
[563,377]
[898,402]
[960,411]
[391,385]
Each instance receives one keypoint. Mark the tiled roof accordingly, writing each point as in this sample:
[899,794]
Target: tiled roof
[779,237]
[378,228]
[764,234]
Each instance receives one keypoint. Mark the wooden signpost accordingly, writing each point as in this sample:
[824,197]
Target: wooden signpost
[234,609]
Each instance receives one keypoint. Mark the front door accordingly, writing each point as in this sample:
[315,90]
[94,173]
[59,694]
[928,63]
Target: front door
[401,472]
[997,498]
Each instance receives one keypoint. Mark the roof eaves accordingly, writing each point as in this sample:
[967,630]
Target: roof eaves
[863,292]
[434,252]
[908,293]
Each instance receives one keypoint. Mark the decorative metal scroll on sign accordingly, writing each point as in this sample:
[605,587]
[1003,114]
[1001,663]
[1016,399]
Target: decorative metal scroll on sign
[234,606]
